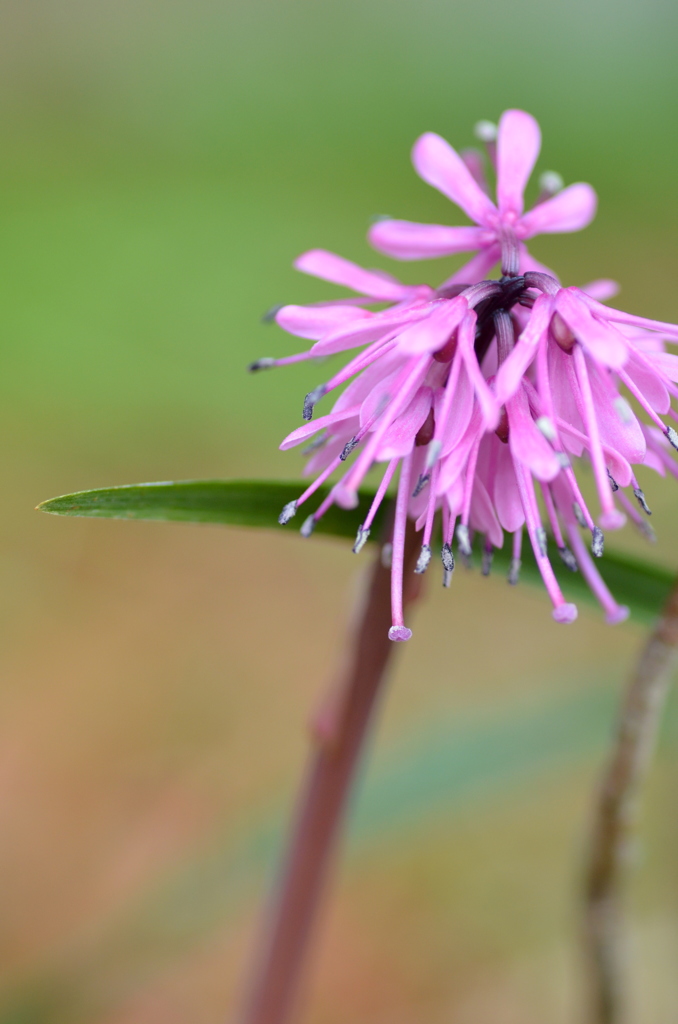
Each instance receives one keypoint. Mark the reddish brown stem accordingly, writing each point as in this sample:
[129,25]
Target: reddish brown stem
[615,814]
[339,734]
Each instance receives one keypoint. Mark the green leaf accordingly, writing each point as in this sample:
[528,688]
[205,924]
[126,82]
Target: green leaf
[641,585]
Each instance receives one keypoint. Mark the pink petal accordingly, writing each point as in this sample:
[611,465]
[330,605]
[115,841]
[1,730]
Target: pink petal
[476,269]
[511,371]
[506,492]
[441,166]
[373,328]
[398,440]
[333,268]
[460,413]
[405,240]
[483,516]
[518,145]
[488,403]
[626,438]
[302,433]
[430,334]
[528,445]
[602,289]
[570,210]
[315,321]
[666,363]
[606,344]
[649,382]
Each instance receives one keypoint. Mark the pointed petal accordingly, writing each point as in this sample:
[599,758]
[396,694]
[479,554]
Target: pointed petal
[488,403]
[649,381]
[511,371]
[518,145]
[601,289]
[375,327]
[398,440]
[441,166]
[336,269]
[430,334]
[528,445]
[506,492]
[315,321]
[405,240]
[483,516]
[570,210]
[302,433]
[603,341]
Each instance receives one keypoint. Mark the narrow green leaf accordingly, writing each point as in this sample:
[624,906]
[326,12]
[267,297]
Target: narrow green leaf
[641,585]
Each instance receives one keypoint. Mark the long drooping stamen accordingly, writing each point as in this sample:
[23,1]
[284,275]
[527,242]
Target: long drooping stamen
[399,630]
[639,520]
[562,610]
[611,517]
[514,567]
[268,362]
[364,530]
[614,612]
[425,556]
[640,398]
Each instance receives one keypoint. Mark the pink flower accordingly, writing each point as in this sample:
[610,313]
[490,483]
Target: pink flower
[502,228]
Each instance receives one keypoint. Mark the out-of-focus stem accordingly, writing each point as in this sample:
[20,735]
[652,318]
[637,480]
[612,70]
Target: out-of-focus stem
[338,734]
[615,814]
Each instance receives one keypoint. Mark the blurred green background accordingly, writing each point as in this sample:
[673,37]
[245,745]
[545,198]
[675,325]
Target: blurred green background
[161,164]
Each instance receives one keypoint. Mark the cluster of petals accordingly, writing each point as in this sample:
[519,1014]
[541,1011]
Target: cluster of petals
[462,180]
[478,395]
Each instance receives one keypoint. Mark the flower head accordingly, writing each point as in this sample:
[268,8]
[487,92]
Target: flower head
[502,228]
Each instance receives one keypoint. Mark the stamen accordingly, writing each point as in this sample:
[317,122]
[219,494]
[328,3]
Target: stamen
[261,364]
[288,512]
[673,437]
[424,559]
[613,483]
[638,520]
[270,314]
[421,484]
[448,564]
[513,576]
[433,453]
[361,539]
[545,425]
[597,542]
[463,540]
[640,498]
[540,535]
[308,526]
[312,399]
[579,515]
[381,491]
[398,630]
[610,516]
[486,562]
[485,131]
[550,183]
[614,612]
[348,448]
[568,559]
[315,444]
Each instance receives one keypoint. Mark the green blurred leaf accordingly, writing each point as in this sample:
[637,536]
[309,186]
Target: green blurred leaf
[641,585]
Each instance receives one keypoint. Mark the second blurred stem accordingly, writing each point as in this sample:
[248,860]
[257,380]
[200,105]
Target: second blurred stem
[615,813]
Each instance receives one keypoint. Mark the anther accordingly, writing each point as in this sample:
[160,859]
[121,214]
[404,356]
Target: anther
[647,531]
[270,314]
[578,514]
[672,436]
[424,559]
[387,555]
[551,182]
[313,445]
[421,484]
[348,448]
[640,498]
[563,460]
[540,537]
[545,425]
[597,542]
[486,562]
[360,540]
[288,512]
[399,633]
[433,453]
[568,559]
[615,486]
[261,364]
[514,572]
[463,540]
[623,409]
[307,527]
[312,399]
[447,558]
[485,131]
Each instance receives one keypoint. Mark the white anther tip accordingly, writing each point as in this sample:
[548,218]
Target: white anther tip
[551,181]
[485,131]
[433,453]
[545,425]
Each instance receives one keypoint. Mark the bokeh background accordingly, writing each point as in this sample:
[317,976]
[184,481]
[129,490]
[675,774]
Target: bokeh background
[161,164]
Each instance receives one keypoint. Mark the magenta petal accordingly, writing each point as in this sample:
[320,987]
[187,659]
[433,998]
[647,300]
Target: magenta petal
[603,341]
[398,440]
[570,210]
[506,492]
[511,371]
[315,321]
[441,166]
[649,382]
[486,400]
[375,327]
[430,334]
[302,433]
[336,269]
[666,363]
[483,516]
[601,289]
[518,145]
[528,445]
[405,240]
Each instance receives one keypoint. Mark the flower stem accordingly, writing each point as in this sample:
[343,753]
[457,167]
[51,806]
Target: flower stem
[615,813]
[338,735]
